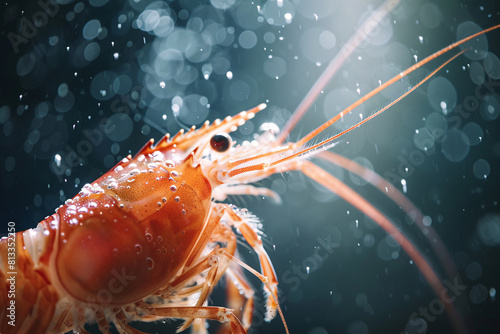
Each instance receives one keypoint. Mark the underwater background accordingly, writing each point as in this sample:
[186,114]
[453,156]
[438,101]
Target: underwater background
[86,83]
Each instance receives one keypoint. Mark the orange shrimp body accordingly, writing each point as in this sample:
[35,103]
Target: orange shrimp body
[140,219]
[150,238]
[124,238]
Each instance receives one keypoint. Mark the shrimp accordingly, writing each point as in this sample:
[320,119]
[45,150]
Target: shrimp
[149,239]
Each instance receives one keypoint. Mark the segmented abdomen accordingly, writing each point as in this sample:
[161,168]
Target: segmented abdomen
[27,297]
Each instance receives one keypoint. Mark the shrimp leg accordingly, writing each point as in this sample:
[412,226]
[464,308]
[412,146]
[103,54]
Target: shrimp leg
[216,262]
[236,283]
[220,314]
[244,225]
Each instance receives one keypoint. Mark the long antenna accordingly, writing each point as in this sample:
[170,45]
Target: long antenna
[359,36]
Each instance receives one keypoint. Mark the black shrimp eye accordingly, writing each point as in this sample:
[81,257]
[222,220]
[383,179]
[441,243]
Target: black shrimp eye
[220,142]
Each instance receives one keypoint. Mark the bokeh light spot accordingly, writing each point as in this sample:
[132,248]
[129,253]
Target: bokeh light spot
[455,146]
[481,169]
[119,127]
[101,87]
[247,39]
[478,46]
[91,29]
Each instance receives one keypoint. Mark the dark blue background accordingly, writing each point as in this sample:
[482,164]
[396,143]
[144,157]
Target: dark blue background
[325,301]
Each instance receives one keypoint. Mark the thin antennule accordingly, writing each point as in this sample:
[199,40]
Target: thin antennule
[323,144]
[359,36]
[322,83]
[386,84]
[312,134]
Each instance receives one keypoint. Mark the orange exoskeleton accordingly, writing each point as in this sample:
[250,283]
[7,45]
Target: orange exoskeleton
[149,239]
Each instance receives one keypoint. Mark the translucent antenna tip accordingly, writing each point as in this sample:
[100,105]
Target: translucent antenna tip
[262,106]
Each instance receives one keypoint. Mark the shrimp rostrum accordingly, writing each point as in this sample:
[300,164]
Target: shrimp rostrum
[151,238]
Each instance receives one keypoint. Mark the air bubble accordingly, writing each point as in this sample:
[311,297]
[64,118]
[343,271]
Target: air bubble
[119,127]
[430,16]
[442,90]
[91,29]
[5,114]
[488,230]
[476,73]
[222,4]
[10,164]
[279,12]
[101,87]
[315,43]
[275,67]
[481,169]
[359,327]
[64,103]
[477,47]
[173,188]
[388,249]
[138,248]
[490,107]
[91,51]
[134,171]
[53,40]
[423,139]
[368,240]
[190,110]
[427,221]
[247,39]
[327,39]
[269,37]
[416,325]
[456,146]
[95,3]
[478,294]
[473,271]
[240,90]
[474,132]
[492,293]
[491,65]
[150,263]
